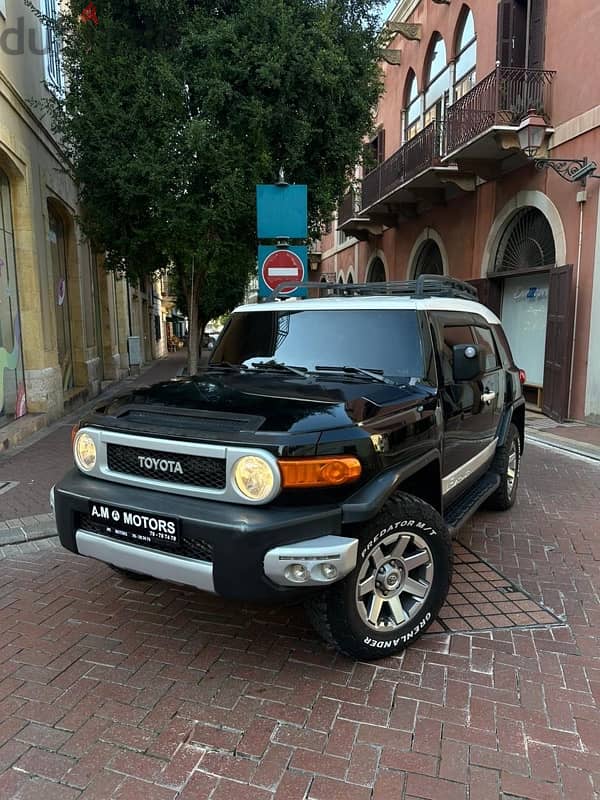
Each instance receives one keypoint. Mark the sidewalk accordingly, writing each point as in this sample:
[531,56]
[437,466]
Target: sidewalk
[574,437]
[27,472]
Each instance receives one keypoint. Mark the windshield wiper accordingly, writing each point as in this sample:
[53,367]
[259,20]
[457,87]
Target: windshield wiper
[374,374]
[227,365]
[279,366]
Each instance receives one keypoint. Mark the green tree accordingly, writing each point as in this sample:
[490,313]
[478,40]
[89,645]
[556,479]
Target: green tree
[175,111]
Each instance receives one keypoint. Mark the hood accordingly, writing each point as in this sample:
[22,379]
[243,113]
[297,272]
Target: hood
[260,401]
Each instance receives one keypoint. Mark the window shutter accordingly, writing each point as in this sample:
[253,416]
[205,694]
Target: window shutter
[381,147]
[504,37]
[537,34]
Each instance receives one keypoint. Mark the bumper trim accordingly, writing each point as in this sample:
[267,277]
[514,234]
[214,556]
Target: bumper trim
[312,554]
[164,566]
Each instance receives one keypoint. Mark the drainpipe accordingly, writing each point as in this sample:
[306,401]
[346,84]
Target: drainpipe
[581,199]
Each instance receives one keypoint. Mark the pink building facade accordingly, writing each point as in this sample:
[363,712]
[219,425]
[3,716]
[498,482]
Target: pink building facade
[449,188]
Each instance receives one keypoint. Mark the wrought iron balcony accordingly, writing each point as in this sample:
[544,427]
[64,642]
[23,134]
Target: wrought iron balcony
[502,98]
[418,154]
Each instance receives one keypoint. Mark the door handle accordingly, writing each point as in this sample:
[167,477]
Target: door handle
[488,397]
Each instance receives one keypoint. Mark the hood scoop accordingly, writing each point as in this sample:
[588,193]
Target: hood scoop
[179,420]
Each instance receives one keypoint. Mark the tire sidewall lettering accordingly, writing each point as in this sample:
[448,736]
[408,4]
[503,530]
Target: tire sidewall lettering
[418,527]
[405,638]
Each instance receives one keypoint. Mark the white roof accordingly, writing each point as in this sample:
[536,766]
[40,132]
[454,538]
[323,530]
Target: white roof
[380,303]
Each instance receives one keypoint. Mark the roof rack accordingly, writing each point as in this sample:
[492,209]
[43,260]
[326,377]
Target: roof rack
[423,286]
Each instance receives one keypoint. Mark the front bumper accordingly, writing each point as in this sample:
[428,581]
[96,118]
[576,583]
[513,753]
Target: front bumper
[247,548]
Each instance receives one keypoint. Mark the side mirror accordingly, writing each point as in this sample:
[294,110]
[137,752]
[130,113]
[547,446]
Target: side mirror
[469,362]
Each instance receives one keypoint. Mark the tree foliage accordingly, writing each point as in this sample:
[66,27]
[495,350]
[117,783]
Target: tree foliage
[176,110]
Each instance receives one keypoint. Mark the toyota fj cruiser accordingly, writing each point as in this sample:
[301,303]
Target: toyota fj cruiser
[328,452]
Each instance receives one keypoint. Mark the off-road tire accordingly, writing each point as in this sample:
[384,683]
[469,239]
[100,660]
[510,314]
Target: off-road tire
[506,461]
[336,612]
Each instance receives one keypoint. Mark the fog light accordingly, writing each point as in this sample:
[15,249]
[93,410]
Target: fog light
[328,571]
[297,573]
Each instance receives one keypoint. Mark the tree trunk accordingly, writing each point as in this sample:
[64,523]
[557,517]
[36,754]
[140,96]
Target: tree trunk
[193,332]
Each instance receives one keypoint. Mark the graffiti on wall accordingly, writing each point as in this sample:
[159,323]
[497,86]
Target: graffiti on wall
[9,361]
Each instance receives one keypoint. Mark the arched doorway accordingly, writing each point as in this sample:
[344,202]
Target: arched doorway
[524,259]
[57,236]
[376,273]
[12,383]
[429,260]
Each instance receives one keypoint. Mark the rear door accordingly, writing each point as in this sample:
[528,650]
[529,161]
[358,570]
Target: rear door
[471,408]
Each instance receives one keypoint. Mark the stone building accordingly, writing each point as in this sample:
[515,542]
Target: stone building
[64,322]
[478,96]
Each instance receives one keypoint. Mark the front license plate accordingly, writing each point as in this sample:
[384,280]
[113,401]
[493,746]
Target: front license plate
[136,526]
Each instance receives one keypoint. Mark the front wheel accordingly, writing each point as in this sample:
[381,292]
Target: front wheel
[397,588]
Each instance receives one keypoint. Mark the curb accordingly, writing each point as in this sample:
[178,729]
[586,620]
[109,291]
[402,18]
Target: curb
[27,529]
[561,443]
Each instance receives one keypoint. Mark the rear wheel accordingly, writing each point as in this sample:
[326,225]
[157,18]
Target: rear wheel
[396,590]
[507,463]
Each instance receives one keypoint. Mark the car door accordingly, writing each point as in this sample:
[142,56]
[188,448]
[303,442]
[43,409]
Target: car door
[493,386]
[469,406]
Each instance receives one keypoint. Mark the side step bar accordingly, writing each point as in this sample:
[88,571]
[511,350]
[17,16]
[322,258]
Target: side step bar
[462,509]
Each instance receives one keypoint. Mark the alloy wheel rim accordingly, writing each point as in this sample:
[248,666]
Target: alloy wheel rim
[512,469]
[394,581]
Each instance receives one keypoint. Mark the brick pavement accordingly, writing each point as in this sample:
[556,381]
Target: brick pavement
[119,689]
[39,463]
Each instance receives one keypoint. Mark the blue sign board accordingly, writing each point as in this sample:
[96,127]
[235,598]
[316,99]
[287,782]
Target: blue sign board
[282,211]
[277,265]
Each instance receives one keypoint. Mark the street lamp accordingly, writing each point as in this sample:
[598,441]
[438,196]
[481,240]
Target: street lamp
[532,132]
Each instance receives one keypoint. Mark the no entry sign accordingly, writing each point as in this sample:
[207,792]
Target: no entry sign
[281,265]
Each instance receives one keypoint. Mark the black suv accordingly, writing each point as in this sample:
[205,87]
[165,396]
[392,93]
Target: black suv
[329,452]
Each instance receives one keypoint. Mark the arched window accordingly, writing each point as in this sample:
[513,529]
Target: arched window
[341,279]
[466,54]
[429,260]
[412,107]
[376,271]
[437,80]
[528,242]
[350,278]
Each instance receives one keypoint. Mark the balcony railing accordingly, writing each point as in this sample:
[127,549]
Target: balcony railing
[421,152]
[502,98]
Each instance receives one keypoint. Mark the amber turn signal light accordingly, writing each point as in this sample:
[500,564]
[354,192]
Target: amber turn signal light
[307,473]
[74,431]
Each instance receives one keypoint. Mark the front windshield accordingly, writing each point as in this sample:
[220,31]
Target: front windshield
[385,341]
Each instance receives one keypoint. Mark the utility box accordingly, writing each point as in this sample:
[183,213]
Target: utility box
[135,351]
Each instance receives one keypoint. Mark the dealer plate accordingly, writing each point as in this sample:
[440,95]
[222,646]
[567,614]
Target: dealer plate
[136,526]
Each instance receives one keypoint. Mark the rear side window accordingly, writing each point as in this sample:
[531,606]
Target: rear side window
[484,338]
[503,348]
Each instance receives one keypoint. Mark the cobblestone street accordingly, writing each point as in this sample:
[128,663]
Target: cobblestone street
[119,689]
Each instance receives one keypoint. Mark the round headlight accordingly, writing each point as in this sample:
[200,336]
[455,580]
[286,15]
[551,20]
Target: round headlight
[85,452]
[254,477]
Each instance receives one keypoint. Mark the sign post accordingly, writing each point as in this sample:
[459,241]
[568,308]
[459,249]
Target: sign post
[282,226]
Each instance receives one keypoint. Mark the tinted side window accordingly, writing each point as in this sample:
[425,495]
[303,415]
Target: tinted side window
[453,335]
[503,347]
[485,340]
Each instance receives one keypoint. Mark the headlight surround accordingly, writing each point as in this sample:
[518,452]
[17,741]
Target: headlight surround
[84,451]
[254,478]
